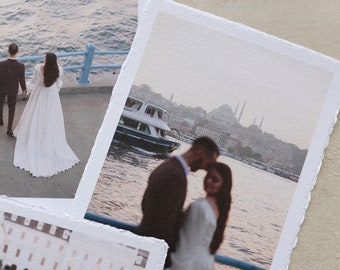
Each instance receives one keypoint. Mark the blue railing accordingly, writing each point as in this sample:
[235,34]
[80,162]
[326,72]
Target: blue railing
[86,66]
[133,228]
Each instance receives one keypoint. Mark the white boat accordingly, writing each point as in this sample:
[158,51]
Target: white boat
[142,124]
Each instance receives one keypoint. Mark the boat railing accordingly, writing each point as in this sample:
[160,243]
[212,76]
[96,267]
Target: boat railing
[85,66]
[133,228]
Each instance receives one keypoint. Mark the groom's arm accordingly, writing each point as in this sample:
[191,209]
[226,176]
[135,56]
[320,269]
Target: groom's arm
[22,80]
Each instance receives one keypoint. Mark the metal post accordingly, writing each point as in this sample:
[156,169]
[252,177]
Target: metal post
[88,57]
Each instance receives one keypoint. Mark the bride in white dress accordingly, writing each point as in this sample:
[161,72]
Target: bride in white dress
[41,147]
[203,229]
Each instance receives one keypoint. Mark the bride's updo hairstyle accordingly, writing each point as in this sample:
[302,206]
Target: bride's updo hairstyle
[51,70]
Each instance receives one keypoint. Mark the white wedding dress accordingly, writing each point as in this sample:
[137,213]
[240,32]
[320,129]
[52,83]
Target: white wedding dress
[41,147]
[192,250]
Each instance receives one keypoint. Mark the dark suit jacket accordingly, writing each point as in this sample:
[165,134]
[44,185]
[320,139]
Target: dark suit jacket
[162,204]
[12,73]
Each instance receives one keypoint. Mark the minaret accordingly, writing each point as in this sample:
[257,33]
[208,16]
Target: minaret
[172,97]
[244,104]
[236,109]
[260,126]
[254,122]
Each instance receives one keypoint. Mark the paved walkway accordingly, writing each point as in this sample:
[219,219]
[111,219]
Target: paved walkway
[84,109]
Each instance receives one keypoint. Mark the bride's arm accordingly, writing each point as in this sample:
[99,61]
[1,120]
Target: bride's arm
[34,82]
[59,82]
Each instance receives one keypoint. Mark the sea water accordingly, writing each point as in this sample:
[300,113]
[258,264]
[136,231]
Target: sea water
[39,26]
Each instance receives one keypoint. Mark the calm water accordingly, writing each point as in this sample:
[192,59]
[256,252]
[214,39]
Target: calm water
[260,200]
[39,26]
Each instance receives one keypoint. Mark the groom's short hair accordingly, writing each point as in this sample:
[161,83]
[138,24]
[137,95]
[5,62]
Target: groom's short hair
[206,143]
[13,49]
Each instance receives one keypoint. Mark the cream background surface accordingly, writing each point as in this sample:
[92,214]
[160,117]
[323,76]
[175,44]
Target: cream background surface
[314,24]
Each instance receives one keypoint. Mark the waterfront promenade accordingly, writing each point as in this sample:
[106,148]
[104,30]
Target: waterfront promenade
[84,109]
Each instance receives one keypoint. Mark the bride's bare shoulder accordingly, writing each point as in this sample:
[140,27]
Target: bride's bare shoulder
[41,68]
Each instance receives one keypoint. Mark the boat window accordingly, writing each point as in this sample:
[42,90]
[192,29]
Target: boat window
[130,123]
[133,105]
[150,111]
[145,128]
[129,103]
[121,121]
[160,132]
[160,114]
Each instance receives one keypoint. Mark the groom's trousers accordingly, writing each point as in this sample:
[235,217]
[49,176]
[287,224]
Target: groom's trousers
[11,102]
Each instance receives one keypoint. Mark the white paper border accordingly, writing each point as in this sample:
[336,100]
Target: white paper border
[157,248]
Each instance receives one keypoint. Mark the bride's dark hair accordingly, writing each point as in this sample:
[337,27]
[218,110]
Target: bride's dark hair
[223,198]
[51,70]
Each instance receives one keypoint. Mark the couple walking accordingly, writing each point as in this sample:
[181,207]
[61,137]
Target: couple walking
[193,235]
[41,147]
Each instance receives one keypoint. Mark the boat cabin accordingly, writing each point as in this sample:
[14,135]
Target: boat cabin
[142,124]
[142,127]
[135,105]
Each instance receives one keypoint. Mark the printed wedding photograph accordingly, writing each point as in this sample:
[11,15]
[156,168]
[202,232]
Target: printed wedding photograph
[30,169]
[269,106]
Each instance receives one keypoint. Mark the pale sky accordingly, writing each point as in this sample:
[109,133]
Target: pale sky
[206,68]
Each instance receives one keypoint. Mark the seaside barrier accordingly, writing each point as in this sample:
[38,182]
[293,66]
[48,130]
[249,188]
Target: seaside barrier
[133,228]
[87,64]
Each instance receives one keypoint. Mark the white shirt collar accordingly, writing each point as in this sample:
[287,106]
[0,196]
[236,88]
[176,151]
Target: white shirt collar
[184,164]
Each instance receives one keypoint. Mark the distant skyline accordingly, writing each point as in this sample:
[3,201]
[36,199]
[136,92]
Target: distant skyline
[206,68]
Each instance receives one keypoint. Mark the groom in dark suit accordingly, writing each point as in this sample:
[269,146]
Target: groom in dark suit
[12,72]
[164,197]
